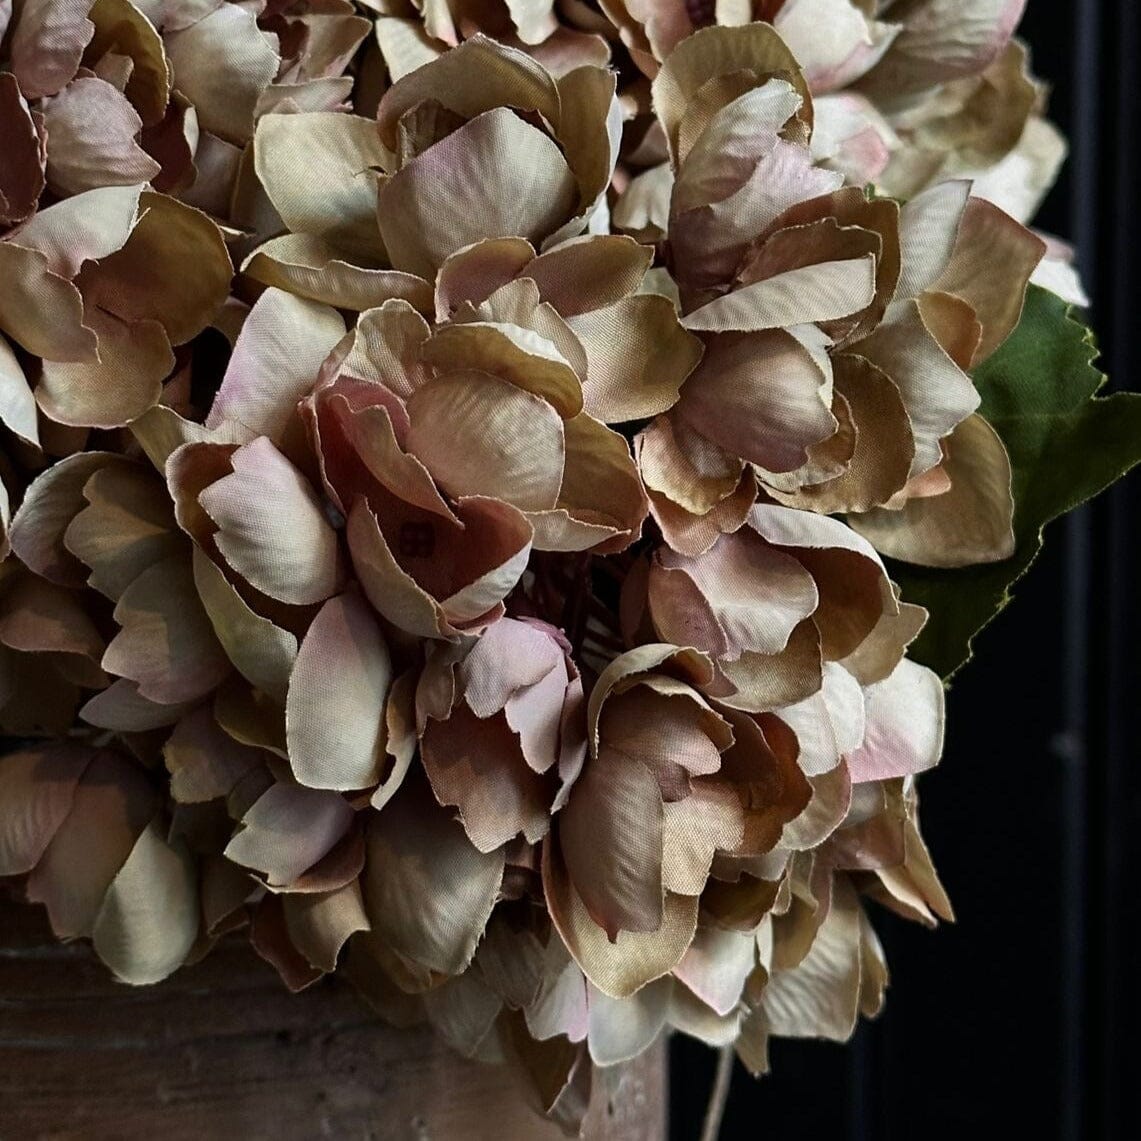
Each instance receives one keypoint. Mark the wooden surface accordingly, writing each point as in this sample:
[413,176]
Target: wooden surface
[221,1051]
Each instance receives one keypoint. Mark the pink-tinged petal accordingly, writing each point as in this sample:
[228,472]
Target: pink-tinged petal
[121,708]
[904,732]
[510,656]
[478,766]
[111,807]
[47,44]
[204,762]
[536,714]
[37,788]
[623,967]
[716,966]
[93,139]
[709,820]
[428,891]
[54,499]
[287,830]
[741,595]
[637,354]
[474,273]
[928,229]
[521,181]
[223,62]
[833,40]
[760,396]
[275,362]
[21,159]
[334,712]
[828,725]
[167,644]
[148,921]
[479,435]
[262,652]
[272,529]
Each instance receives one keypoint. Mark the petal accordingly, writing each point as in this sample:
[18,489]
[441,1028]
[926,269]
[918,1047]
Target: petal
[904,732]
[123,29]
[287,830]
[334,712]
[428,891]
[93,132]
[319,170]
[122,709]
[589,273]
[166,644]
[320,924]
[148,921]
[47,44]
[423,219]
[204,762]
[716,966]
[621,1029]
[272,529]
[275,362]
[223,63]
[22,170]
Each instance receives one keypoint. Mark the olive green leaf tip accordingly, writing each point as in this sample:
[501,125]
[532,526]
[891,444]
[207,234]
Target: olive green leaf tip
[1066,445]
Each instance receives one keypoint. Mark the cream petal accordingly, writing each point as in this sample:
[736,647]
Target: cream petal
[622,1028]
[904,732]
[716,966]
[334,711]
[148,921]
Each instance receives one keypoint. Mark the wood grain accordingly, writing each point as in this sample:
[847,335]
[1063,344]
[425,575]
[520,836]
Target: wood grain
[221,1051]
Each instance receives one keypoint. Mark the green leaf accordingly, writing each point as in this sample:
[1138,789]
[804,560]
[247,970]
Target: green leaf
[1065,445]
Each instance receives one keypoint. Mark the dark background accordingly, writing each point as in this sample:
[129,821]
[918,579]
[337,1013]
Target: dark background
[1020,1020]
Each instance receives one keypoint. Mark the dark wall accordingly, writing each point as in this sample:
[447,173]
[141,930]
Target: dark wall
[1018,1021]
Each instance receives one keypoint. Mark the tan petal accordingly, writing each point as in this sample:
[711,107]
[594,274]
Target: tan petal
[477,271]
[37,787]
[122,28]
[110,809]
[260,651]
[272,529]
[482,436]
[121,708]
[50,504]
[970,524]
[760,396]
[308,266]
[275,362]
[423,220]
[904,732]
[148,921]
[17,405]
[287,830]
[41,617]
[204,762]
[319,170]
[39,309]
[638,355]
[334,712]
[222,63]
[320,924]
[126,526]
[621,968]
[589,273]
[93,132]
[428,891]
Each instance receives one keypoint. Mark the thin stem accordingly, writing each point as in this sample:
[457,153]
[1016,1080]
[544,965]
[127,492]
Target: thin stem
[718,1095]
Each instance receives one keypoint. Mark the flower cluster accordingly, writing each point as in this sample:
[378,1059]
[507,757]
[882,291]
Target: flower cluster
[444,492]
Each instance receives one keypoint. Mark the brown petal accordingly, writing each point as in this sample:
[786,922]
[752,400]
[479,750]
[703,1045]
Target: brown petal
[204,762]
[320,924]
[319,170]
[148,921]
[121,708]
[22,167]
[17,405]
[122,28]
[334,712]
[428,891]
[272,529]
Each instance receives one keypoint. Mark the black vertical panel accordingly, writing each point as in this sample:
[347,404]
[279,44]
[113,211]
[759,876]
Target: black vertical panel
[1018,1021]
